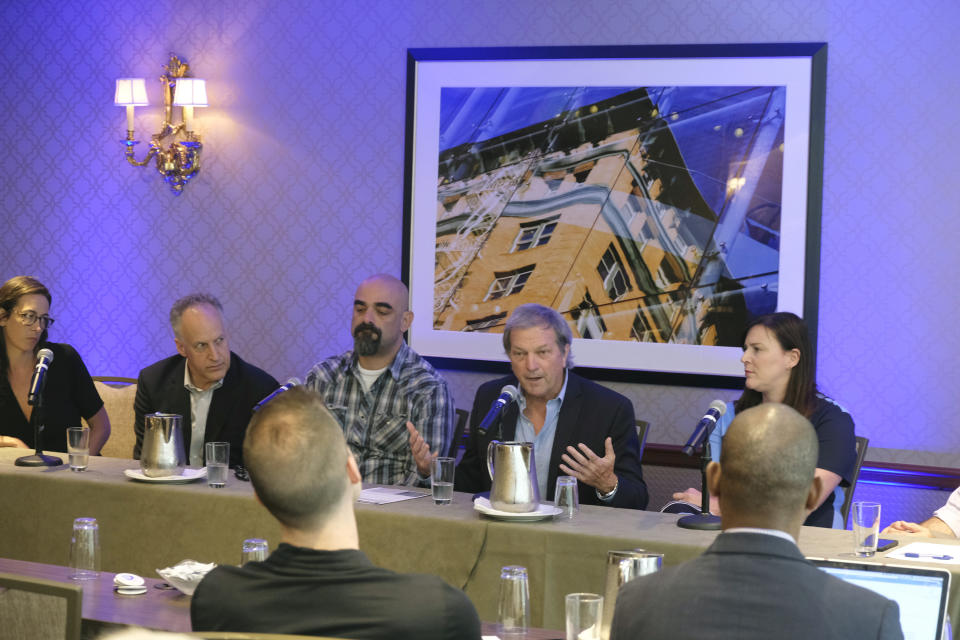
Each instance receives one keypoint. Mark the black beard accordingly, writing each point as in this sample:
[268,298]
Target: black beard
[366,339]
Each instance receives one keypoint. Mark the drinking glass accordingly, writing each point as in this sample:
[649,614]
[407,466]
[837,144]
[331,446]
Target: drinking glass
[78,446]
[441,480]
[565,497]
[218,457]
[583,616]
[85,549]
[513,606]
[254,550]
[866,526]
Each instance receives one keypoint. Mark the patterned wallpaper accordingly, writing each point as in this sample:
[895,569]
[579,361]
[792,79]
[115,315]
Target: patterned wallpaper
[301,190]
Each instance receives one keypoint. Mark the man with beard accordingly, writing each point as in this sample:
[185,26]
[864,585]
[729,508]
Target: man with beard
[395,410]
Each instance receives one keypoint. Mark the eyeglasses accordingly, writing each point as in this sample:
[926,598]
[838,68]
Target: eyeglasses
[29,318]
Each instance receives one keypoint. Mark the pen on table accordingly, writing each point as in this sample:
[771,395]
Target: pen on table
[932,556]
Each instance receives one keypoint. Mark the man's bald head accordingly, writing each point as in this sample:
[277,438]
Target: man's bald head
[767,466]
[389,287]
[381,313]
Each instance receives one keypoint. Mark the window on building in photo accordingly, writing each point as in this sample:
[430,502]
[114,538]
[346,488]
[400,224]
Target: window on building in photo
[506,283]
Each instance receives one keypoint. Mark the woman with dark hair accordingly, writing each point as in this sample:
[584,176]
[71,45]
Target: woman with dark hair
[69,394]
[778,367]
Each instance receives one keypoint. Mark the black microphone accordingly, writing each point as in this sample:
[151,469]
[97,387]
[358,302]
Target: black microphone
[290,384]
[705,426]
[507,395]
[39,379]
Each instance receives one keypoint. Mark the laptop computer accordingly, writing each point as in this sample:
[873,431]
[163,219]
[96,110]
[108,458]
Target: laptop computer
[920,592]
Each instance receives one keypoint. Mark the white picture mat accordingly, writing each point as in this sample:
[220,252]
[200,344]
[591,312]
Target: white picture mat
[433,75]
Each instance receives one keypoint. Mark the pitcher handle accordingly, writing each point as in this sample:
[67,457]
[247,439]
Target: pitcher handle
[490,457]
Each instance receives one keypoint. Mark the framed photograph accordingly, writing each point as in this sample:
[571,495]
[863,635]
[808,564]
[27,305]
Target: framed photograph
[657,197]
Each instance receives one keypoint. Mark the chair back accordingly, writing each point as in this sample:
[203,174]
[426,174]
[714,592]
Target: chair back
[39,609]
[642,428]
[862,443]
[458,431]
[118,395]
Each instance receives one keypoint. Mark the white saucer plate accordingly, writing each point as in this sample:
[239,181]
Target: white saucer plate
[543,512]
[188,475]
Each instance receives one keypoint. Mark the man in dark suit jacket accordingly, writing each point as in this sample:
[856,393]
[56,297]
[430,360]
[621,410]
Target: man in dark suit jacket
[578,427]
[753,582]
[209,385]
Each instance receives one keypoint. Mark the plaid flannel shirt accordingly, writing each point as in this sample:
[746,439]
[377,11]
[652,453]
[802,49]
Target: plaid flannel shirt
[374,423]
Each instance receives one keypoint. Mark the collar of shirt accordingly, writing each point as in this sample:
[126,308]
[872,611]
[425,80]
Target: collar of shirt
[766,532]
[395,368]
[192,388]
[200,401]
[543,441]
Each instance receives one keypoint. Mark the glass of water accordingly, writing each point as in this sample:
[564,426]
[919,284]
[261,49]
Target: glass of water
[441,480]
[254,550]
[866,526]
[218,458]
[78,447]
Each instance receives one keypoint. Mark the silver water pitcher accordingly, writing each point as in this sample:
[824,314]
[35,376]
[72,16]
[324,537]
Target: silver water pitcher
[622,567]
[513,473]
[162,450]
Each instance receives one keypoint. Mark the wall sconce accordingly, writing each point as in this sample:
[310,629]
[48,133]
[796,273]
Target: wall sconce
[180,161]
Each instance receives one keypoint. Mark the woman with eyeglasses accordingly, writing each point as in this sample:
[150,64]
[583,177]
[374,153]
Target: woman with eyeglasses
[69,394]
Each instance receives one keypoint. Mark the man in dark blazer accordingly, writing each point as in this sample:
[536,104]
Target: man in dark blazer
[753,582]
[578,427]
[210,386]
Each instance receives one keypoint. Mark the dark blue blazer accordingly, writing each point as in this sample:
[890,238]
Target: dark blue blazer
[589,414]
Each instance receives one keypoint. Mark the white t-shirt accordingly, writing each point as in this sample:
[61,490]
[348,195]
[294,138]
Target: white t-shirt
[369,376]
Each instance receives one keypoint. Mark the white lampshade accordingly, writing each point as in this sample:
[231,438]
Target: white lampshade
[131,92]
[190,92]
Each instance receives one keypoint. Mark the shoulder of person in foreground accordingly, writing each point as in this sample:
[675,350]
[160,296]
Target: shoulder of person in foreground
[209,605]
[460,619]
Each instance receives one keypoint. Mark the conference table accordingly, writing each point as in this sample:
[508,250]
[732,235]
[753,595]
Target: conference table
[146,526]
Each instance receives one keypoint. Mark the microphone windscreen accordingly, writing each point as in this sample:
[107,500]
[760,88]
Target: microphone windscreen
[45,353]
[511,391]
[720,406]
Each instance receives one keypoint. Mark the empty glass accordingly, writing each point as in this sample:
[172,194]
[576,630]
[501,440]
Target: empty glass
[866,526]
[254,550]
[566,497]
[85,549]
[583,616]
[513,606]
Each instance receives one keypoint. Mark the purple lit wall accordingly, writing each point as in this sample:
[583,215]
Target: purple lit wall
[301,189]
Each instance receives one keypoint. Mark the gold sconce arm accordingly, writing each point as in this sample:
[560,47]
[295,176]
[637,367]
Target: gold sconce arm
[179,161]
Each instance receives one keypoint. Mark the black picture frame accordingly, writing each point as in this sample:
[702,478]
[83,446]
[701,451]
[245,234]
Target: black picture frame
[680,70]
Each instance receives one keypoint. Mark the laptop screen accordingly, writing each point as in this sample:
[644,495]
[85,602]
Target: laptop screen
[920,592]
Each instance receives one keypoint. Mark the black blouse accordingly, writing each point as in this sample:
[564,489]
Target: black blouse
[69,395]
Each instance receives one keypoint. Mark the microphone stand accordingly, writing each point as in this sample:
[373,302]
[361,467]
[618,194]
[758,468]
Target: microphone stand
[704,521]
[38,459]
